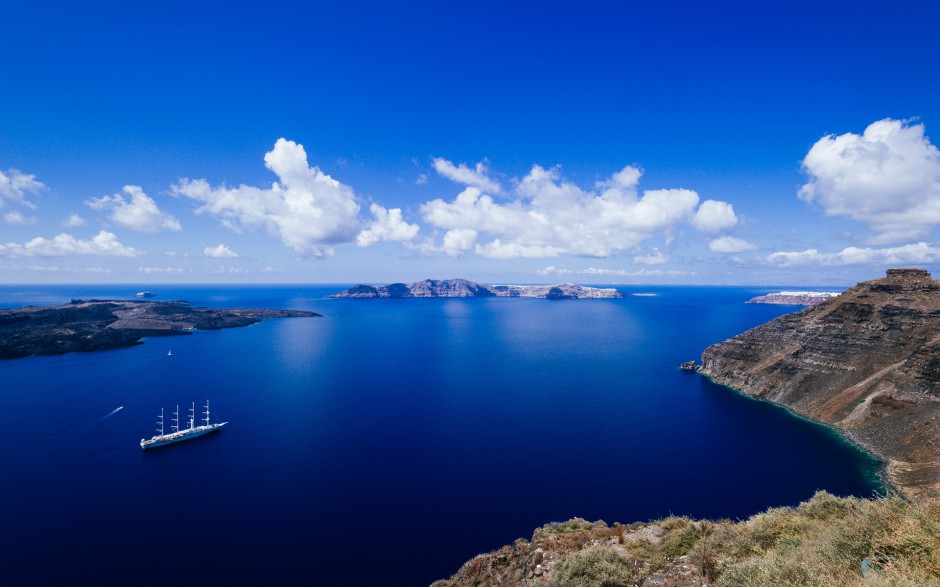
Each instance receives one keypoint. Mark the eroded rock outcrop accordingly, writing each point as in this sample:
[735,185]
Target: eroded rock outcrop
[866,362]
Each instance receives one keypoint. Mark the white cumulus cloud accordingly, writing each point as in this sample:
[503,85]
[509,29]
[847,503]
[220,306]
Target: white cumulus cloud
[387,225]
[730,244]
[888,177]
[597,271]
[74,220]
[17,217]
[306,209]
[636,273]
[65,245]
[219,250]
[552,270]
[160,270]
[714,216]
[139,213]
[477,177]
[548,216]
[14,185]
[654,257]
[908,254]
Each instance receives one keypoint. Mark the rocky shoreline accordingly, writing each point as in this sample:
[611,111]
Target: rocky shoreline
[866,363]
[91,325]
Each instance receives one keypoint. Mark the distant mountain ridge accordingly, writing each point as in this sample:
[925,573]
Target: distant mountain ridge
[463,288]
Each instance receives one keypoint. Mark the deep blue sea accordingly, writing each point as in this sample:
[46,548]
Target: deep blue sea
[388,442]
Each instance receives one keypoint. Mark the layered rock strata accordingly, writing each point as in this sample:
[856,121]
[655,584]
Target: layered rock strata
[866,362]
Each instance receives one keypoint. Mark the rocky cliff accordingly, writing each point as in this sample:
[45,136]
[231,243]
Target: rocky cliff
[462,288]
[866,362]
[101,324]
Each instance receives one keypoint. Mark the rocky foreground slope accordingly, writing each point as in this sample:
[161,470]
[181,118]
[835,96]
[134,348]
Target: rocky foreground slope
[462,288]
[103,324]
[866,362]
[826,542]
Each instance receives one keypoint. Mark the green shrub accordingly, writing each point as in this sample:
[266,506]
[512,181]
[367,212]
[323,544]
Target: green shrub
[595,567]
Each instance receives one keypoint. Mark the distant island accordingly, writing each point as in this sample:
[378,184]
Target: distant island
[794,298]
[462,288]
[91,325]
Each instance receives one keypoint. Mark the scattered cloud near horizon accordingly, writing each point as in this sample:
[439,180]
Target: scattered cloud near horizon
[730,244]
[16,217]
[139,212]
[917,253]
[219,251]
[14,185]
[478,176]
[548,216]
[64,245]
[306,209]
[552,270]
[887,178]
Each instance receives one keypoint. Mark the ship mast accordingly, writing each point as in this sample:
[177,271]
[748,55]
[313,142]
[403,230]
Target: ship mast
[207,412]
[160,422]
[192,416]
[176,419]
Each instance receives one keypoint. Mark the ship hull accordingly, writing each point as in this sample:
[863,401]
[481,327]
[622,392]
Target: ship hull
[188,434]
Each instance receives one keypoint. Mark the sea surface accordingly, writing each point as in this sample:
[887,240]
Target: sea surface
[388,442]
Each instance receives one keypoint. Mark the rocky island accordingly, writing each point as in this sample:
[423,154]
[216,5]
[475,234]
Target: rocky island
[462,288]
[90,325]
[794,298]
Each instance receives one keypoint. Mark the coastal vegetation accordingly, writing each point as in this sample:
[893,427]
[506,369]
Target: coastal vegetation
[827,541]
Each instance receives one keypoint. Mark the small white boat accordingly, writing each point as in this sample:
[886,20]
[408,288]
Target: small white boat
[169,353]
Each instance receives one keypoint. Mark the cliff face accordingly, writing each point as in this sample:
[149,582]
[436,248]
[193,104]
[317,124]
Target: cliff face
[866,362]
[462,288]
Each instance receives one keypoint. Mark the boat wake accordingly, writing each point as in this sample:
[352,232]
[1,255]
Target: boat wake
[78,429]
[109,414]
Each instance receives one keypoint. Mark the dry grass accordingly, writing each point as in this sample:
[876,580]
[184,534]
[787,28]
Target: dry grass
[595,567]
[822,543]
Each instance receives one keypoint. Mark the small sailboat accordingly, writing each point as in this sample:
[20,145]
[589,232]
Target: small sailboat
[169,353]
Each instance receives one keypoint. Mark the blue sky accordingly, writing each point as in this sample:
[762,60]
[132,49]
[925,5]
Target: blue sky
[593,142]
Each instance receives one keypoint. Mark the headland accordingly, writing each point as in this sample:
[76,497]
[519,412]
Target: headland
[91,325]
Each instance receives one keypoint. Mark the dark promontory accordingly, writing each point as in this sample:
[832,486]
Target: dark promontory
[462,288]
[866,362]
[91,325]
